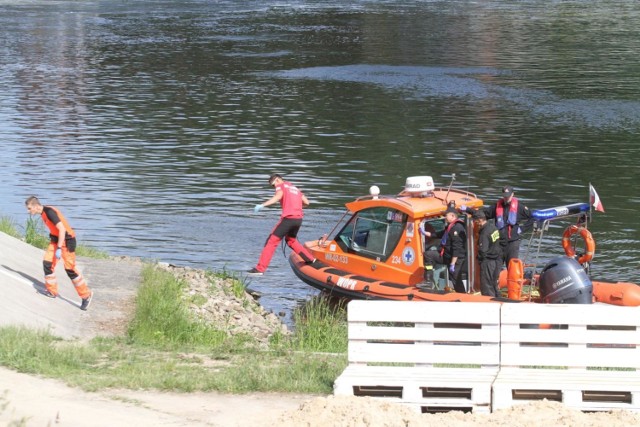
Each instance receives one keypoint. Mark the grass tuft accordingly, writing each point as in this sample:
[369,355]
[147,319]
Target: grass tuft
[34,233]
[90,252]
[238,283]
[163,319]
[8,226]
[40,352]
[321,325]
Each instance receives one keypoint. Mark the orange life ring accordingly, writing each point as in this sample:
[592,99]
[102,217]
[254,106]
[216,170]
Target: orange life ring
[589,243]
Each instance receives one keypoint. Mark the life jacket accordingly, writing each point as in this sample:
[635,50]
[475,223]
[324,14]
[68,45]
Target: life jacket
[512,216]
[445,236]
[52,227]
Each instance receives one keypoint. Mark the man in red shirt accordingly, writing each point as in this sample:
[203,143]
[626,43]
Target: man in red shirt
[61,246]
[291,200]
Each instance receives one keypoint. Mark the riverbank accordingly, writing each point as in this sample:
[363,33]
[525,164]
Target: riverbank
[224,301]
[215,300]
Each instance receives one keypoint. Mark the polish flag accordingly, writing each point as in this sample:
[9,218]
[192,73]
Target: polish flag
[594,199]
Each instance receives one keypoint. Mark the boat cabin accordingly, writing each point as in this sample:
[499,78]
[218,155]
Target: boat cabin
[381,239]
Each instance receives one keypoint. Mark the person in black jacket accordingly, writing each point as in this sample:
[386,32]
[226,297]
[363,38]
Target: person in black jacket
[452,252]
[512,218]
[489,255]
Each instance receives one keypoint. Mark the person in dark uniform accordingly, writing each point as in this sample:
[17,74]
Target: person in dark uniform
[452,252]
[512,218]
[489,255]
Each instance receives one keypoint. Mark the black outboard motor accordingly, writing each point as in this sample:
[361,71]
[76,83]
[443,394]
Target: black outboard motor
[564,281]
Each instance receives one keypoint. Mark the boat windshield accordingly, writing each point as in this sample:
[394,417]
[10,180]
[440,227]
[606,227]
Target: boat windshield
[373,233]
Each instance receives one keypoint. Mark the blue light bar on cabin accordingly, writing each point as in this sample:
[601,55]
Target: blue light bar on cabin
[575,208]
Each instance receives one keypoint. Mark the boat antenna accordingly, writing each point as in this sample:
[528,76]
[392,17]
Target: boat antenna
[453,178]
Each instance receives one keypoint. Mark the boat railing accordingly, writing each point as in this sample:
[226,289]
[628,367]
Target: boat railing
[440,189]
[542,219]
[382,197]
[457,190]
[425,194]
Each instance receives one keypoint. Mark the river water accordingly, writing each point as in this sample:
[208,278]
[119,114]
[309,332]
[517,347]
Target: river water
[155,124]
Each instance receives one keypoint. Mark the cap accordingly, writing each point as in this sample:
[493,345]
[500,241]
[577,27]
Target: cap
[507,190]
[479,214]
[451,209]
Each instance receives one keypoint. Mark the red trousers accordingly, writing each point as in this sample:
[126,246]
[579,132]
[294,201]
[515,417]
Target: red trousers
[286,228]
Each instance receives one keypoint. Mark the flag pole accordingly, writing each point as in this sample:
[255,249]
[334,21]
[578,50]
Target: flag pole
[590,204]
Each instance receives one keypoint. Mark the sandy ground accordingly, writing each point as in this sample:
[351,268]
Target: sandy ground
[44,402]
[33,401]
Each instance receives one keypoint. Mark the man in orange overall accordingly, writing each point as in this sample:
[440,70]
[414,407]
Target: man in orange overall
[62,246]
[292,201]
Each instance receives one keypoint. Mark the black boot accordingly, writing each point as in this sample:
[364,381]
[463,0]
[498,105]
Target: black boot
[429,283]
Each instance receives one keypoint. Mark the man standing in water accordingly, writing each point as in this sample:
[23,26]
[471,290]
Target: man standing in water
[292,201]
[62,245]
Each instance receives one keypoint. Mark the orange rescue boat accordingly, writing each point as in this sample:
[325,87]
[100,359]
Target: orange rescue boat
[376,252]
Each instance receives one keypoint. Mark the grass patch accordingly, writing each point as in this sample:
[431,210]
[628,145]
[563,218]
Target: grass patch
[167,348]
[294,372]
[238,283]
[91,252]
[8,226]
[198,300]
[321,325]
[163,319]
[36,235]
[117,363]
[38,352]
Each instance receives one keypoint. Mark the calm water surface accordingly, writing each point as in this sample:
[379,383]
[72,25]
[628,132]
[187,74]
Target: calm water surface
[154,125]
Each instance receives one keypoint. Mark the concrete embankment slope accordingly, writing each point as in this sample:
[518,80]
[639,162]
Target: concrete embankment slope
[114,283]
